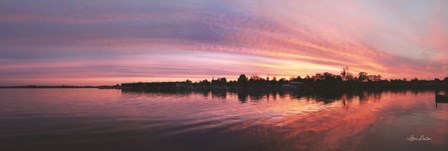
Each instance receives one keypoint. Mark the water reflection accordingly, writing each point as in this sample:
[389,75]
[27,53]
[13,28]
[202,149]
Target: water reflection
[243,97]
[91,119]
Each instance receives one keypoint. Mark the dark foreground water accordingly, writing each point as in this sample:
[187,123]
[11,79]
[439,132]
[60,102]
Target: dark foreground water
[93,119]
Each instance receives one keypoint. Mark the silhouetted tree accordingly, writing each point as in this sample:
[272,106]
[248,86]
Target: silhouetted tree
[363,77]
[188,81]
[274,79]
[282,81]
[205,81]
[298,79]
[318,77]
[219,82]
[377,78]
[320,81]
[222,81]
[255,77]
[242,80]
[346,75]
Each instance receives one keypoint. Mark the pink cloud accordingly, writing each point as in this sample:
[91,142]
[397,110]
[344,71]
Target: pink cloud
[160,40]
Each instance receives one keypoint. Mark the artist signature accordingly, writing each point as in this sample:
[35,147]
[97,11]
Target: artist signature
[420,138]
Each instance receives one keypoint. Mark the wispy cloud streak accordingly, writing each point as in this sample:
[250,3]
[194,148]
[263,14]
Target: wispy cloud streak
[172,40]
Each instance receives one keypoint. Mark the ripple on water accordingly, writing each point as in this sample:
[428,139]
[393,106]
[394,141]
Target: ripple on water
[202,121]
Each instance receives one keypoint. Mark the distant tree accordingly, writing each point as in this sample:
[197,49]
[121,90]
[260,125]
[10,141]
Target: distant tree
[307,77]
[374,77]
[274,79]
[378,78]
[222,81]
[188,81]
[363,77]
[299,79]
[345,74]
[292,78]
[282,81]
[318,77]
[331,78]
[350,77]
[445,80]
[242,80]
[205,81]
[327,76]
[255,77]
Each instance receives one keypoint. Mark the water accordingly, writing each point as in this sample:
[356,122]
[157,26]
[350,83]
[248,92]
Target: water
[94,119]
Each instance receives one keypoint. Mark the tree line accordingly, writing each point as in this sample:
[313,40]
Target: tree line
[320,81]
[326,80]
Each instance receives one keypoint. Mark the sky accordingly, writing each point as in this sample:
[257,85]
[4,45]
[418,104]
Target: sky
[99,42]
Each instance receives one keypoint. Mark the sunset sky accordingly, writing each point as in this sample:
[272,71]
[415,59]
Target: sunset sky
[96,42]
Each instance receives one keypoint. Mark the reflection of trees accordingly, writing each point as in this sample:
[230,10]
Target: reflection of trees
[328,97]
[219,94]
[346,98]
[318,96]
[242,97]
[136,94]
[205,93]
[369,96]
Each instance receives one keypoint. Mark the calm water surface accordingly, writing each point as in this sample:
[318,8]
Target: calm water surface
[93,119]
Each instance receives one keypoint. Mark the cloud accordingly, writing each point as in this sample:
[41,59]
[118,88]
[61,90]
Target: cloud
[123,39]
